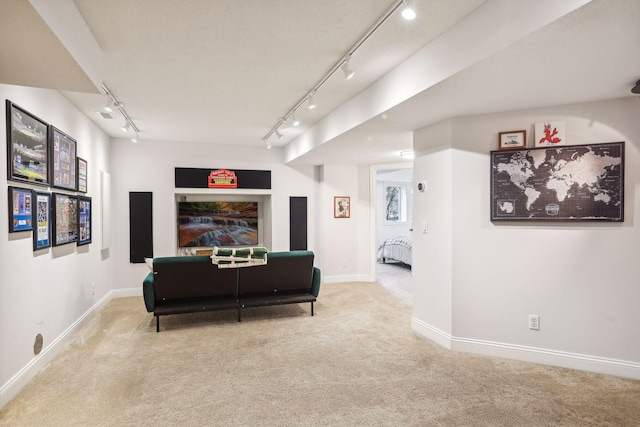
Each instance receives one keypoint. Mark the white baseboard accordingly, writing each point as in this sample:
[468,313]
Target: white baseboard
[12,387]
[348,278]
[602,365]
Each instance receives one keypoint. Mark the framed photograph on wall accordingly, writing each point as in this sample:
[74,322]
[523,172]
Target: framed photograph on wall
[512,140]
[42,221]
[63,160]
[64,217]
[84,220]
[20,209]
[82,175]
[27,149]
[341,207]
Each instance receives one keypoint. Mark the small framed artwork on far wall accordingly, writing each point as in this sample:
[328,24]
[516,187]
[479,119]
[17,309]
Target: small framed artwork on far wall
[512,140]
[341,207]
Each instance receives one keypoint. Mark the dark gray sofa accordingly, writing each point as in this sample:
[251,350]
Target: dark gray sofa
[192,284]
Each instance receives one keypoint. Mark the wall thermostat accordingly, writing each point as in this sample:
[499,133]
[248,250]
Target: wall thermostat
[422,186]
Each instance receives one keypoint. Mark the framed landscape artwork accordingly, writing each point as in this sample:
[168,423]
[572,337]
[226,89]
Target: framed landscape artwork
[27,149]
[568,183]
[63,160]
[82,175]
[84,220]
[42,221]
[64,217]
[20,209]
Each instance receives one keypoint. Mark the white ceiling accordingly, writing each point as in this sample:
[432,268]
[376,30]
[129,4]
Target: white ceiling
[225,71]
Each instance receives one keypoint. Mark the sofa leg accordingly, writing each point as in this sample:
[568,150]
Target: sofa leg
[312,308]
[157,323]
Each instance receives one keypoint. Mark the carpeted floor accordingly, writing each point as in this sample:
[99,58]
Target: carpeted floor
[355,363]
[396,277]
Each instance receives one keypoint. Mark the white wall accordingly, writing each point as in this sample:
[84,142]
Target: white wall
[150,166]
[345,241]
[580,278]
[48,291]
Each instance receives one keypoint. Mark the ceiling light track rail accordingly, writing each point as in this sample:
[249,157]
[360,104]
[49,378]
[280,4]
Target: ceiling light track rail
[344,60]
[114,103]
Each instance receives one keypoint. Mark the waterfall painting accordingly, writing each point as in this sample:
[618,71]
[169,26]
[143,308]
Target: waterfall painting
[208,224]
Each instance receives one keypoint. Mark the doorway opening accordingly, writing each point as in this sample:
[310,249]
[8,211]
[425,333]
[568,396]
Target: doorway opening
[392,188]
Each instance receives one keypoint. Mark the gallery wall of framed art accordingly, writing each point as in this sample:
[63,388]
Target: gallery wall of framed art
[40,154]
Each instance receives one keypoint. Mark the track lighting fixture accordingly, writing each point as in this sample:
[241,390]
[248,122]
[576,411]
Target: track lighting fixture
[312,103]
[135,138]
[294,120]
[408,12]
[278,135]
[114,104]
[408,154]
[268,144]
[348,73]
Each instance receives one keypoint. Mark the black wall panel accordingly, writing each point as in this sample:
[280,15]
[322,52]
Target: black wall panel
[298,223]
[140,226]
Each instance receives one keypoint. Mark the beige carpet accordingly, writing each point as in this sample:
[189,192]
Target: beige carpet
[356,363]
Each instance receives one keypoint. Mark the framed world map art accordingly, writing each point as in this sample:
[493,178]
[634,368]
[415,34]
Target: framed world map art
[568,183]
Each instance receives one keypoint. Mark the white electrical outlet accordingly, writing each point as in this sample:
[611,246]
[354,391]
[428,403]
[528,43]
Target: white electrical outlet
[534,322]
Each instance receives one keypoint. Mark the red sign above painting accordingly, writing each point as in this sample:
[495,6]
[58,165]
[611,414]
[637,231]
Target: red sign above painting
[222,178]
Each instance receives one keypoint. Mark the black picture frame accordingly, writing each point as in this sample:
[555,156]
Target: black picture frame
[20,209]
[82,169]
[84,220]
[41,221]
[27,146]
[567,183]
[64,151]
[64,218]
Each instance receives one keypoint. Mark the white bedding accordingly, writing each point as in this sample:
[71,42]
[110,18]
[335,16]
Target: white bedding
[397,248]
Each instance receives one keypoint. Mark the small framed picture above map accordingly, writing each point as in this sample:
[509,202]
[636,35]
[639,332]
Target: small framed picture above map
[512,140]
[550,134]
[568,183]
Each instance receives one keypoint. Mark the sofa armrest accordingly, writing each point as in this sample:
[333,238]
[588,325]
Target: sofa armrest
[149,293]
[315,285]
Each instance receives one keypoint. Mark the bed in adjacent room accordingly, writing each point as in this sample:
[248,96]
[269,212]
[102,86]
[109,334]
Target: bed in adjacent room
[397,248]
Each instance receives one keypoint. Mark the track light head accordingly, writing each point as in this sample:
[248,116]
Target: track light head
[126,126]
[408,12]
[294,120]
[134,139]
[278,135]
[312,103]
[268,144]
[348,73]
